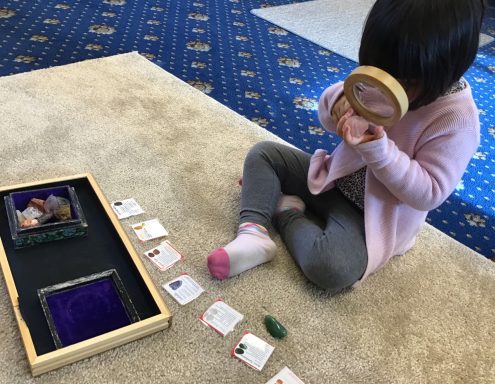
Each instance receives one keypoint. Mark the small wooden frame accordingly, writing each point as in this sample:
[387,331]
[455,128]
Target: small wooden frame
[116,247]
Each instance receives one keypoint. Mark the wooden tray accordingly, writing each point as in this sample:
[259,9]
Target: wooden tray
[105,247]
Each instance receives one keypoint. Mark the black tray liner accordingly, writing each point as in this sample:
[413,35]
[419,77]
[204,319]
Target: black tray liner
[51,263]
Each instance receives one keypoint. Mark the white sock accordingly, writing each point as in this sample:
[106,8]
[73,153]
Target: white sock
[290,202]
[250,248]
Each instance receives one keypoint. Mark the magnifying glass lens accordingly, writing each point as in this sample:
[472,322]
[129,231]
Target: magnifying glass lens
[373,99]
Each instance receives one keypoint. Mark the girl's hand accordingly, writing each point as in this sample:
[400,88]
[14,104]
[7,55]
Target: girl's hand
[340,107]
[357,130]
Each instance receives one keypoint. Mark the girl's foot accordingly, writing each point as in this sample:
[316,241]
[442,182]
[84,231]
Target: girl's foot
[250,248]
[290,202]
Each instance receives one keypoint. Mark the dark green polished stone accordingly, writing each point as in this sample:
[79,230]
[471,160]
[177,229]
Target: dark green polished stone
[276,329]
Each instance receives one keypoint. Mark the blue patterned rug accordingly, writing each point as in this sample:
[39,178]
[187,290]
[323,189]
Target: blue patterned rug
[272,77]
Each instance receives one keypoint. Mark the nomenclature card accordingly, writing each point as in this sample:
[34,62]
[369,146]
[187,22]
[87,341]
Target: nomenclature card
[126,208]
[149,230]
[164,256]
[252,351]
[183,289]
[221,317]
[285,376]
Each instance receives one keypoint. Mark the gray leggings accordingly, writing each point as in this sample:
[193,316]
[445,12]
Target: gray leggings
[328,240]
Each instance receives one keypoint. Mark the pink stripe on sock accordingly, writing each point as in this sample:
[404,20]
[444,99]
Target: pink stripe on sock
[247,227]
[219,264]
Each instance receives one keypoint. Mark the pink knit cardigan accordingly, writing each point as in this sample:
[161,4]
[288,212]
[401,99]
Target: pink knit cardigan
[410,171]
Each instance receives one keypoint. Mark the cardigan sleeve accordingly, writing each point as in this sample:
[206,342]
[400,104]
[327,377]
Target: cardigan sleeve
[425,181]
[327,100]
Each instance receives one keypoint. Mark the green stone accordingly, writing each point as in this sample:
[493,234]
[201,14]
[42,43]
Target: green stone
[276,329]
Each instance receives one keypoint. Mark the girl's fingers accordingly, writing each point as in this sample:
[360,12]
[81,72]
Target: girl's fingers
[341,123]
[347,135]
[339,126]
[379,131]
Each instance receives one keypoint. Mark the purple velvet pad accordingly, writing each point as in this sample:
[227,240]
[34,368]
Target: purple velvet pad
[87,310]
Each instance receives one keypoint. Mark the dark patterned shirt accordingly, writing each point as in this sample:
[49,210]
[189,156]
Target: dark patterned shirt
[352,186]
[456,87]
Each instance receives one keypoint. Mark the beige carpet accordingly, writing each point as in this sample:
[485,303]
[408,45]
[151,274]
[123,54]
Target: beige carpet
[333,24]
[426,318]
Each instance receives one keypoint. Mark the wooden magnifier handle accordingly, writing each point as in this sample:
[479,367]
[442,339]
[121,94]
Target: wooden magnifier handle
[388,88]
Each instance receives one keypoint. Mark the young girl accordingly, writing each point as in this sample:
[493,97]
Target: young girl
[343,216]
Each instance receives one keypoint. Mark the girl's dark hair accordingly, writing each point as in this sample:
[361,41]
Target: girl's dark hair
[427,44]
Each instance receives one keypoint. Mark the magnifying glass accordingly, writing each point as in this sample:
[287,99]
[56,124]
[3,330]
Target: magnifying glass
[376,95]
